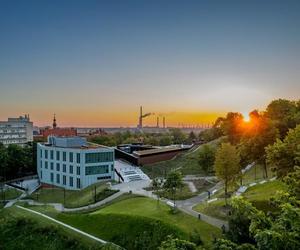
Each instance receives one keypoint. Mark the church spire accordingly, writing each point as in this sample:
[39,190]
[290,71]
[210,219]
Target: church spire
[54,122]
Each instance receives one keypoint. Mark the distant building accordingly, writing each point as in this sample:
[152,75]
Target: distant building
[16,130]
[73,163]
[56,131]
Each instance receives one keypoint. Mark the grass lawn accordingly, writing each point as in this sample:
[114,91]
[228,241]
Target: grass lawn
[129,220]
[73,198]
[256,174]
[182,194]
[187,163]
[259,195]
[10,194]
[35,232]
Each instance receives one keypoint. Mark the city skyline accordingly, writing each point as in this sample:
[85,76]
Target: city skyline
[94,63]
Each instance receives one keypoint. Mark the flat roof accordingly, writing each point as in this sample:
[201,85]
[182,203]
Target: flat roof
[158,150]
[89,145]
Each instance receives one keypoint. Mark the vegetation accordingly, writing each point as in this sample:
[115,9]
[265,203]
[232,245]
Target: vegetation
[207,158]
[135,221]
[20,229]
[285,154]
[174,136]
[227,165]
[17,161]
[172,184]
[9,194]
[70,198]
[187,163]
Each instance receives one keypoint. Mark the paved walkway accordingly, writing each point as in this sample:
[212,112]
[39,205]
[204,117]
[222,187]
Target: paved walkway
[65,225]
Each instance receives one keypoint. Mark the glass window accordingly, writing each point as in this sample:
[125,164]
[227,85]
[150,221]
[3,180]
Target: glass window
[92,170]
[57,155]
[78,170]
[51,165]
[41,163]
[98,157]
[64,156]
[64,168]
[41,153]
[78,183]
[57,167]
[46,164]
[51,177]
[41,174]
[46,154]
[51,154]
[78,157]
[71,181]
[70,157]
[64,180]
[57,178]
[71,169]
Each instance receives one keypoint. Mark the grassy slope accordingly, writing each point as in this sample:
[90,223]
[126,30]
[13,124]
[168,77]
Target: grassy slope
[73,198]
[130,216]
[187,163]
[41,240]
[258,195]
[10,194]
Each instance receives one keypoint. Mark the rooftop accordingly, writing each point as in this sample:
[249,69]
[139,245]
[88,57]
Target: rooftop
[158,150]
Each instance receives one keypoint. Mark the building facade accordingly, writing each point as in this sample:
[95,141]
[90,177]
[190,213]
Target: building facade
[16,130]
[72,163]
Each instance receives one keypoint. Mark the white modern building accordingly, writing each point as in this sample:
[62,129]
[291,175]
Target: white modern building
[16,130]
[73,163]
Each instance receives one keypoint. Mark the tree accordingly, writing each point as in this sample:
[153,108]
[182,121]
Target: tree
[227,165]
[258,134]
[178,136]
[157,185]
[176,244]
[173,183]
[206,157]
[284,155]
[284,114]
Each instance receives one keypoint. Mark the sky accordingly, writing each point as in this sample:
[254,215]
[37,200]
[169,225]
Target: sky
[93,63]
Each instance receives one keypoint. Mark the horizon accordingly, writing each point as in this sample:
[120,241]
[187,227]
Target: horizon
[94,63]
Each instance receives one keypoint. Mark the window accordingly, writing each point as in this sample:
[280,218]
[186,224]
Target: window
[98,157]
[71,181]
[71,169]
[57,167]
[52,177]
[41,164]
[51,165]
[112,167]
[57,155]
[41,153]
[64,180]
[103,177]
[78,170]
[46,164]
[46,154]
[64,168]
[71,157]
[41,174]
[64,156]
[78,157]
[57,178]
[92,170]
[51,154]
[77,183]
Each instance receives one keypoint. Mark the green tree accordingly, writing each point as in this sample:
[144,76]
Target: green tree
[227,165]
[165,140]
[157,184]
[172,184]
[178,136]
[284,155]
[176,244]
[284,114]
[207,158]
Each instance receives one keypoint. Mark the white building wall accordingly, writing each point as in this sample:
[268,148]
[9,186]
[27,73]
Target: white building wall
[16,131]
[85,180]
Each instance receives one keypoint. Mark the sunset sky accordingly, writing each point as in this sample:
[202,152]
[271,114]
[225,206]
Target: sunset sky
[93,63]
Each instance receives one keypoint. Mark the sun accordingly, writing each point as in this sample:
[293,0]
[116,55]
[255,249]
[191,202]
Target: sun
[246,117]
